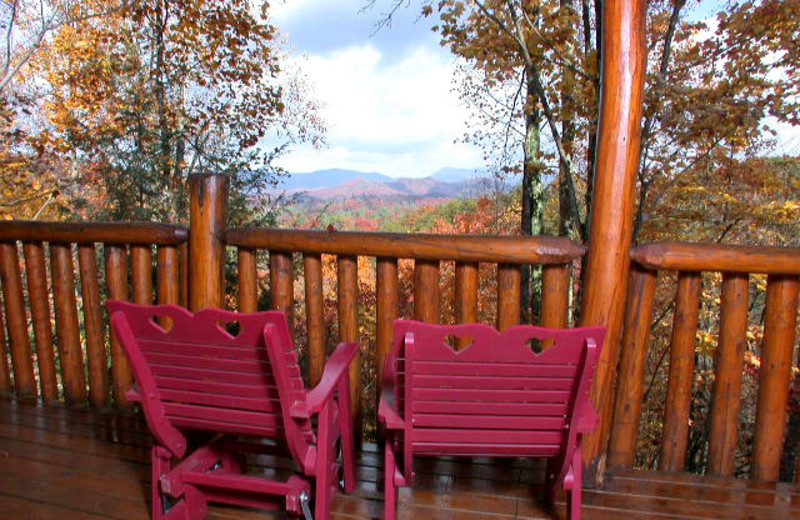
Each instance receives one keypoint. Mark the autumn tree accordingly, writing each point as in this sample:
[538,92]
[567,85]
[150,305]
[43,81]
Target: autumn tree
[531,73]
[141,98]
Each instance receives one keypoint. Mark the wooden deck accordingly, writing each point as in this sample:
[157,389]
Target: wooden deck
[79,464]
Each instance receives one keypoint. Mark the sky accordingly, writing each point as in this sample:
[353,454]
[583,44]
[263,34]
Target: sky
[386,97]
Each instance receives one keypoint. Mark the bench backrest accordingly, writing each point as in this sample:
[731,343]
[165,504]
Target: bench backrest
[496,396]
[211,371]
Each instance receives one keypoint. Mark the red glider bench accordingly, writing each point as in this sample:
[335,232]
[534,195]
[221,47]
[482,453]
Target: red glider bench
[193,375]
[496,397]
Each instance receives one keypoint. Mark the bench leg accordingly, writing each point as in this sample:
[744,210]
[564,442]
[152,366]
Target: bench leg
[160,465]
[574,494]
[389,484]
[347,436]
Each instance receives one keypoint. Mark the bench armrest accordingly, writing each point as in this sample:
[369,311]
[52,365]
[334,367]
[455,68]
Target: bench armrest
[337,367]
[387,409]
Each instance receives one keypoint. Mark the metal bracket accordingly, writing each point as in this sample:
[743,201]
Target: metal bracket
[304,501]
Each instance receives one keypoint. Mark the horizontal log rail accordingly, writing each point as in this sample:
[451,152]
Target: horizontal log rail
[463,248]
[84,362]
[682,256]
[92,232]
[735,264]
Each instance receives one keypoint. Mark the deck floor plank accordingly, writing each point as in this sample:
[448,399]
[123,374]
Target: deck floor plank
[77,464]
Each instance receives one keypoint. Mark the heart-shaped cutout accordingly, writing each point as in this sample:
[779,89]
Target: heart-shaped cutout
[459,343]
[538,346]
[163,324]
[232,328]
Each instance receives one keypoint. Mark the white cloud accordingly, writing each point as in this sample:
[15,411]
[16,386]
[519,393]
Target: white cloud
[398,117]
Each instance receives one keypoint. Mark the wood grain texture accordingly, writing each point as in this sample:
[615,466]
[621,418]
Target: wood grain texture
[21,360]
[207,213]
[281,276]
[388,310]
[463,248]
[183,276]
[67,326]
[39,301]
[142,269]
[681,373]
[623,71]
[5,373]
[633,355]
[248,280]
[723,436]
[466,290]
[168,276]
[774,377]
[117,282]
[315,316]
[509,297]
[426,290]
[347,291]
[91,232]
[97,358]
[555,296]
[716,257]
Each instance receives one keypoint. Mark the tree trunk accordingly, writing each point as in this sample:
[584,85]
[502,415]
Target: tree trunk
[532,199]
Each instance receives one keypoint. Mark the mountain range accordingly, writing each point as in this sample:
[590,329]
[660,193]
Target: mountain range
[337,184]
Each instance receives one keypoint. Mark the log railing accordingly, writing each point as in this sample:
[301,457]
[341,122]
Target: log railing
[77,363]
[427,251]
[735,263]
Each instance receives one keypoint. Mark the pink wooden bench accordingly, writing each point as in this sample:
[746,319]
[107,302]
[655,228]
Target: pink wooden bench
[496,397]
[245,386]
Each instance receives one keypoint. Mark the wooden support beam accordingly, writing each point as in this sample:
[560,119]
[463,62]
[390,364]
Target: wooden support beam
[624,66]
[207,213]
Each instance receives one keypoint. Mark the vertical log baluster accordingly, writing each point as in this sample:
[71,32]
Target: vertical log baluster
[168,275]
[67,328]
[281,274]
[142,267]
[21,360]
[388,310]
[426,290]
[315,317]
[723,435]
[248,280]
[773,381]
[39,300]
[509,298]
[117,282]
[93,322]
[167,280]
[5,375]
[347,288]
[183,296]
[555,296]
[466,297]
[681,372]
[635,341]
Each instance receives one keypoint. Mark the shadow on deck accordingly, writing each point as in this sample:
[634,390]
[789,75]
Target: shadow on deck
[70,464]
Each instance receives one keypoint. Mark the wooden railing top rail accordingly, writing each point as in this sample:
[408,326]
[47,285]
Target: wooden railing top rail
[681,256]
[91,232]
[462,248]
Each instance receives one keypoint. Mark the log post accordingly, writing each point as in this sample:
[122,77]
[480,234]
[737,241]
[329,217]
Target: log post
[607,263]
[207,215]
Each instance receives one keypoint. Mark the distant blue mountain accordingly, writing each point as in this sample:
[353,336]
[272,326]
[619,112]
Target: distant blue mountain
[329,179]
[457,174]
